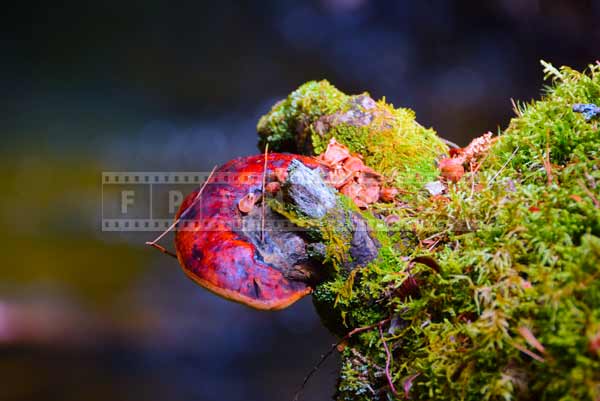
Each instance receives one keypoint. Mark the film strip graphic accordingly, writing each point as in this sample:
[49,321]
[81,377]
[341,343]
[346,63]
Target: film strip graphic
[199,225]
[146,201]
[149,201]
[170,178]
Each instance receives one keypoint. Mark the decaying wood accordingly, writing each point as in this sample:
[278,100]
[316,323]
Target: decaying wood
[287,246]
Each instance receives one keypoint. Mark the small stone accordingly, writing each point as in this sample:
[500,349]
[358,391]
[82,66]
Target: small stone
[435,188]
[307,191]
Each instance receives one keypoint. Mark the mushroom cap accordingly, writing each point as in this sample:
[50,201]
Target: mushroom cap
[214,251]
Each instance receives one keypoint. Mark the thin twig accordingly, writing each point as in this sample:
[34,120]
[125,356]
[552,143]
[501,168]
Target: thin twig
[546,160]
[264,195]
[589,193]
[313,371]
[424,241]
[163,249]
[472,180]
[504,165]
[364,328]
[449,143]
[332,349]
[388,358]
[526,351]
[434,245]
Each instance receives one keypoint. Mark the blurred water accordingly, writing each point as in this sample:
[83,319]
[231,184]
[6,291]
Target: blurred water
[91,87]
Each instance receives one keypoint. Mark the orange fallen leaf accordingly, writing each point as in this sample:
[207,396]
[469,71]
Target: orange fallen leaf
[353,164]
[368,178]
[350,175]
[452,168]
[352,190]
[335,152]
[388,194]
[370,193]
[338,177]
[576,198]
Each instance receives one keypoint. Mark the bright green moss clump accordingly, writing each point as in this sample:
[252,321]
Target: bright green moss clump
[389,139]
[518,247]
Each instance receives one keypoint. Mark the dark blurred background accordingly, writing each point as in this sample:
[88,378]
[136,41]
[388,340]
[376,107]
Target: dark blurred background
[154,86]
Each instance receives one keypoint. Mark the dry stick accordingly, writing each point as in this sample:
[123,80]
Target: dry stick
[472,180]
[589,193]
[264,195]
[434,245]
[446,141]
[526,351]
[449,143]
[163,249]
[388,358]
[333,348]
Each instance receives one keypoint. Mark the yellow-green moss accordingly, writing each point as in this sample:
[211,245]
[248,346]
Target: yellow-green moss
[282,127]
[518,244]
[389,139]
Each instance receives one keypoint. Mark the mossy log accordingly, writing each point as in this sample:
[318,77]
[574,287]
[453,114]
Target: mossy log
[512,309]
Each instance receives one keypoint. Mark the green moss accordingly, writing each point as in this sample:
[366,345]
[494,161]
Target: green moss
[280,127]
[518,244]
[389,139]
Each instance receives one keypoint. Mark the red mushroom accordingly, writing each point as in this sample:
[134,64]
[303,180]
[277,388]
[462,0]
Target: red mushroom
[218,254]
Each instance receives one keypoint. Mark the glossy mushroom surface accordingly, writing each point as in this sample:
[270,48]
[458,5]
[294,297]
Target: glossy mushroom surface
[219,253]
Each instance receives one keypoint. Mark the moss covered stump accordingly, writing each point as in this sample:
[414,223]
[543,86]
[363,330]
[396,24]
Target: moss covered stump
[503,265]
